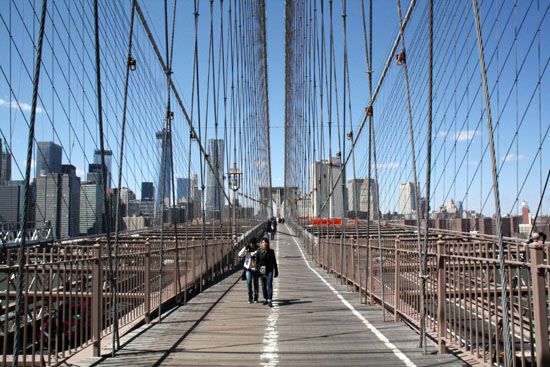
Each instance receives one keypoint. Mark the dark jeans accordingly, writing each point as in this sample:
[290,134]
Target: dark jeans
[267,286]
[252,277]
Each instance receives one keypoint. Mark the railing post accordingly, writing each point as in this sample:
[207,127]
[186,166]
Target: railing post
[97,301]
[369,274]
[175,284]
[353,265]
[542,350]
[397,281]
[147,281]
[441,296]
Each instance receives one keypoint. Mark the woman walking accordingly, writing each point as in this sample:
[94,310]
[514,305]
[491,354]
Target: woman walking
[267,267]
[249,251]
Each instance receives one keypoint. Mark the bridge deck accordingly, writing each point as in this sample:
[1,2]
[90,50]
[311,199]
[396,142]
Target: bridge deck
[314,322]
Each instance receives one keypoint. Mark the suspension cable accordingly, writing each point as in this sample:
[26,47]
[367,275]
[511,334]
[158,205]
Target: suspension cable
[496,193]
[21,252]
[129,63]
[423,264]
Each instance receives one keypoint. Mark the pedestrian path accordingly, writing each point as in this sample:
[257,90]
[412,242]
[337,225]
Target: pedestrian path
[314,322]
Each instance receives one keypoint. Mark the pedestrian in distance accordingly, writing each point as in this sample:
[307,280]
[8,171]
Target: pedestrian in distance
[268,229]
[267,267]
[250,270]
[273,227]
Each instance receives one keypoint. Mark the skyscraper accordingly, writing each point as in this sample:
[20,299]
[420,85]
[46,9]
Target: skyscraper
[525,213]
[5,163]
[70,202]
[163,137]
[183,189]
[12,202]
[10,205]
[48,157]
[94,173]
[108,162]
[323,177]
[147,191]
[196,197]
[214,192]
[58,202]
[407,200]
[91,208]
[47,201]
[358,197]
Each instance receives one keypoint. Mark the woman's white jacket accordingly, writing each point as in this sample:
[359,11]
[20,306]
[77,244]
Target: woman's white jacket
[249,263]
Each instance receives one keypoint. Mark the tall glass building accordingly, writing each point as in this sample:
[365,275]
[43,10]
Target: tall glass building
[163,137]
[48,158]
[214,192]
[108,162]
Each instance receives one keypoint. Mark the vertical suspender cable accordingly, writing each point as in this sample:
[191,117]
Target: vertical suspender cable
[369,73]
[369,199]
[103,167]
[411,136]
[266,99]
[411,129]
[496,193]
[343,243]
[169,62]
[423,265]
[115,335]
[21,252]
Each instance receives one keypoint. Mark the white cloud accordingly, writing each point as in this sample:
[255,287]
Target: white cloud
[465,135]
[80,172]
[16,105]
[389,165]
[513,158]
[442,134]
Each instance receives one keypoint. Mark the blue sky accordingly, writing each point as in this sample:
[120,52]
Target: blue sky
[459,127]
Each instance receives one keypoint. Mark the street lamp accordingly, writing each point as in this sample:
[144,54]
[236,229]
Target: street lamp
[234,179]
[234,175]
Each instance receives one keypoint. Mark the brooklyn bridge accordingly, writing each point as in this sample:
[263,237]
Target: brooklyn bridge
[390,157]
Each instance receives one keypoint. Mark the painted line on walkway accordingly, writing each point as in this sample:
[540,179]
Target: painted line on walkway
[369,326]
[270,348]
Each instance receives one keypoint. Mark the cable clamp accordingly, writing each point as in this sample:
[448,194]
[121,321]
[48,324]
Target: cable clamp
[369,111]
[400,58]
[170,115]
[350,135]
[132,63]
[192,135]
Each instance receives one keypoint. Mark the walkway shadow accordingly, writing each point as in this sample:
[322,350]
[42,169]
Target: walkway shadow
[286,233]
[289,302]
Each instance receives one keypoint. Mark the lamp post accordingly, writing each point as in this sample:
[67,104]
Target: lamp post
[234,176]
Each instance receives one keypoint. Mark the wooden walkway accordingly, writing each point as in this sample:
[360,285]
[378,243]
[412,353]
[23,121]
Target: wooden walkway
[314,322]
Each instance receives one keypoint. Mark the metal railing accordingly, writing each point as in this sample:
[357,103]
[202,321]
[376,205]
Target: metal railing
[463,297]
[67,296]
